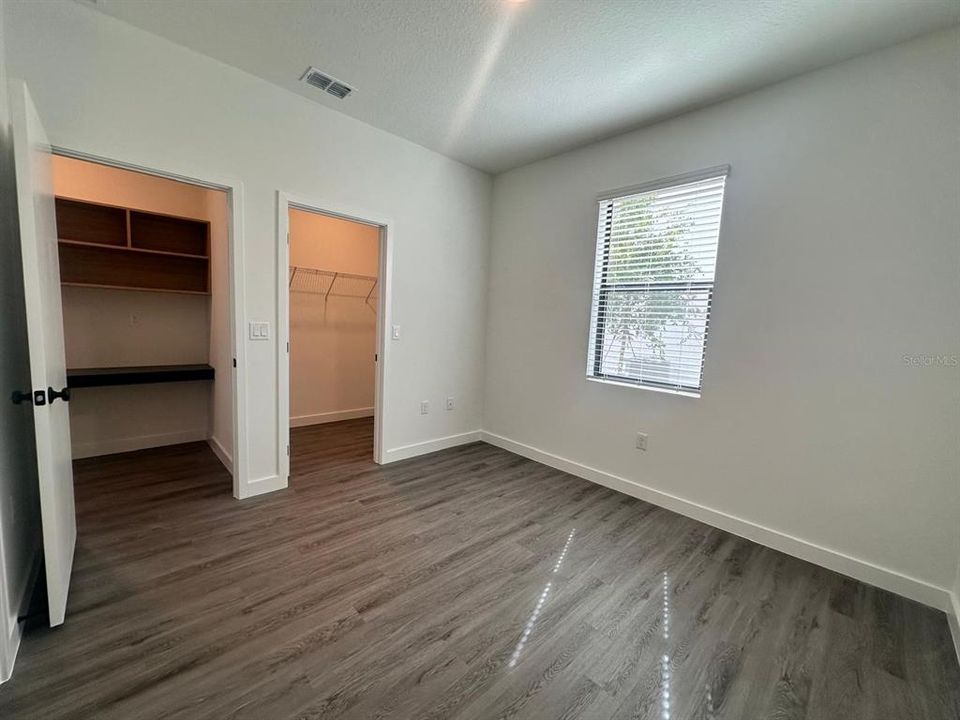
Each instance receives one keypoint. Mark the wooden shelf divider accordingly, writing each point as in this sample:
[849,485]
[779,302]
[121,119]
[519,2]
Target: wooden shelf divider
[121,248]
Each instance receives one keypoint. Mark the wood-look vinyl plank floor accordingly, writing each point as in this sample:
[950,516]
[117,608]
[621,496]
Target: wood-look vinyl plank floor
[468,584]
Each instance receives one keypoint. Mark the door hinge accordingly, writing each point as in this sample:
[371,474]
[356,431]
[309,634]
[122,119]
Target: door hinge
[288,450]
[234,362]
[288,346]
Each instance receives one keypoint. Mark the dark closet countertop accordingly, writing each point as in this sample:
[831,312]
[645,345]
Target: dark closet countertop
[106,376]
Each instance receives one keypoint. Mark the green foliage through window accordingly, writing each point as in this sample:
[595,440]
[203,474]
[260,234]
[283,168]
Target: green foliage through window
[654,283]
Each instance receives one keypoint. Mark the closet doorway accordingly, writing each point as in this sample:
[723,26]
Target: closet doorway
[147,298]
[333,308]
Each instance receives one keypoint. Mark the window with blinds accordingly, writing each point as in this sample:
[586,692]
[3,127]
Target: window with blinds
[653,282]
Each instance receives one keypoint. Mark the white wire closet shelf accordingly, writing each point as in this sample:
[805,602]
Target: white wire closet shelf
[328,283]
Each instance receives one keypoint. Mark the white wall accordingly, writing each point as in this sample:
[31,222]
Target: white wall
[329,243]
[87,73]
[838,257]
[106,420]
[19,503]
[106,327]
[332,339]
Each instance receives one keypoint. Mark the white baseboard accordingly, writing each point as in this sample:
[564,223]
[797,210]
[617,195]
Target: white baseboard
[429,446]
[862,570]
[222,455]
[953,616]
[263,485]
[328,417]
[139,442]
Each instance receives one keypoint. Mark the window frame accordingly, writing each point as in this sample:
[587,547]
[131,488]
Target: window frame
[603,289]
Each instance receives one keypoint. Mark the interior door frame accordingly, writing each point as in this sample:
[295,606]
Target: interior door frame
[285,202]
[234,190]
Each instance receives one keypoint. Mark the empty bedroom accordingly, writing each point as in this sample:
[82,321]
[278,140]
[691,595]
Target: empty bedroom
[476,359]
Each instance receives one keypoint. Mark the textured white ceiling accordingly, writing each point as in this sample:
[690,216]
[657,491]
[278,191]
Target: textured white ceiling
[497,84]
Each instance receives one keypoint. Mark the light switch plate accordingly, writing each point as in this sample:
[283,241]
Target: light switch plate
[396,332]
[259,330]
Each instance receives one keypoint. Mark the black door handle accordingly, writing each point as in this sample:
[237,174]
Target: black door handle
[53,394]
[36,397]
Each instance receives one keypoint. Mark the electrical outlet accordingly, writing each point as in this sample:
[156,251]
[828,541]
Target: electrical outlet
[641,441]
[424,407]
[450,403]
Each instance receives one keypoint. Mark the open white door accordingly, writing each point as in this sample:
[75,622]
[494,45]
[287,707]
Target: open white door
[48,372]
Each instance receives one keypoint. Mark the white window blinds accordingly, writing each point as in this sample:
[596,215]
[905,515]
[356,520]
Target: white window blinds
[653,282]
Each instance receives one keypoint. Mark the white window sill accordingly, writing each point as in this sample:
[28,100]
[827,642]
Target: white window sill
[639,386]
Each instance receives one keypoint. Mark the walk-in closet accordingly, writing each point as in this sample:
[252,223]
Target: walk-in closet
[145,290]
[334,298]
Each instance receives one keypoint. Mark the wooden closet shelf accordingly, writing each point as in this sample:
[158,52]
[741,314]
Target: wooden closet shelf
[124,248]
[114,247]
[101,286]
[139,375]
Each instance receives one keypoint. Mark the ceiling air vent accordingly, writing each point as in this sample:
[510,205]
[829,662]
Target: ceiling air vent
[326,83]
